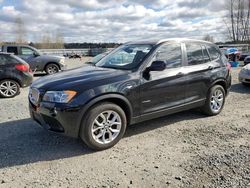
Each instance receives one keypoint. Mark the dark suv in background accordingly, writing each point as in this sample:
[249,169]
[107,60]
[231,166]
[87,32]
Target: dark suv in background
[14,73]
[246,60]
[137,81]
[37,61]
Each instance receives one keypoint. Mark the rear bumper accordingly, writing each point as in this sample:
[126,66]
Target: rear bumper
[57,119]
[26,79]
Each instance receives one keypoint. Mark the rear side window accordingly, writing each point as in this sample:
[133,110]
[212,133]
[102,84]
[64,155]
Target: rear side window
[170,54]
[194,54]
[205,54]
[3,60]
[12,49]
[7,59]
[213,52]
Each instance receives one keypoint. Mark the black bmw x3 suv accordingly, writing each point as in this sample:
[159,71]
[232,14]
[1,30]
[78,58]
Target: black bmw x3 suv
[137,81]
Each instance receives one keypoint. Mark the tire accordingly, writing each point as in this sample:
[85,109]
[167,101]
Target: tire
[9,88]
[215,101]
[96,131]
[51,68]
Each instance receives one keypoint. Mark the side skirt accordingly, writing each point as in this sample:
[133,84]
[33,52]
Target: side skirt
[168,111]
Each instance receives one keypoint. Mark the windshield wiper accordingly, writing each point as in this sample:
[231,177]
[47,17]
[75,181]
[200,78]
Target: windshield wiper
[108,67]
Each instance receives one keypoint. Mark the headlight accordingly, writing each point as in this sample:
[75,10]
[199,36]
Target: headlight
[59,96]
[61,61]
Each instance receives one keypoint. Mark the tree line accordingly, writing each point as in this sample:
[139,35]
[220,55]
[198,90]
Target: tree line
[237,20]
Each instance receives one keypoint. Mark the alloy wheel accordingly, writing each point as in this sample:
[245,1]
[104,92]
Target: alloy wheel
[217,100]
[106,127]
[52,69]
[8,88]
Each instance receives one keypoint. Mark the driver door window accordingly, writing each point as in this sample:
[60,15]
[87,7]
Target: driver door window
[26,51]
[170,54]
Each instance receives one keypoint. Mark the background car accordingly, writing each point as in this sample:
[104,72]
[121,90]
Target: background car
[243,56]
[14,73]
[244,75]
[74,56]
[37,61]
[247,60]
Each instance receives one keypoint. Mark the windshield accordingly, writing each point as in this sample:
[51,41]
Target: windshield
[98,58]
[125,57]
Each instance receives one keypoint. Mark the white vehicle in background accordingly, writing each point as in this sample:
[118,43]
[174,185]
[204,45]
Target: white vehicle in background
[244,75]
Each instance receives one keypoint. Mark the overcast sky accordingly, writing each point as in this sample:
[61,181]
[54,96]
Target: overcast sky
[113,21]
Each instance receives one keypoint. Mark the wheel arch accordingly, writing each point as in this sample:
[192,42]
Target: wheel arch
[220,82]
[51,62]
[117,99]
[14,79]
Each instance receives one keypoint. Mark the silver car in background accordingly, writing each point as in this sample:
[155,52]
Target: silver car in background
[244,75]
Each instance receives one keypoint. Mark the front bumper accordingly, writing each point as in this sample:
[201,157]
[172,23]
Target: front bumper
[63,66]
[59,119]
[244,78]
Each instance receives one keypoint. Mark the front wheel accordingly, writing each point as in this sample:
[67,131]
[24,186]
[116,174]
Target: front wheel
[104,126]
[215,101]
[51,68]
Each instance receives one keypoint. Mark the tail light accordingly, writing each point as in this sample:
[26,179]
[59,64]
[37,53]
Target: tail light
[22,67]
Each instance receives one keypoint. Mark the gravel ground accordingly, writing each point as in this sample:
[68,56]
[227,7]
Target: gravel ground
[181,150]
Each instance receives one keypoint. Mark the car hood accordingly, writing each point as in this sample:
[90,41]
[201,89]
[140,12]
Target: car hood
[85,76]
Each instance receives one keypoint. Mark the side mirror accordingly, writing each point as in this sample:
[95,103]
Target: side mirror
[35,54]
[157,66]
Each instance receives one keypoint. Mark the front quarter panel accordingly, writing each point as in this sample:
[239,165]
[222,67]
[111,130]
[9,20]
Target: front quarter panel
[43,60]
[125,86]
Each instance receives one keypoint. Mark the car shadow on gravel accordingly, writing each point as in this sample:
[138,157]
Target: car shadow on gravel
[24,141]
[240,88]
[163,121]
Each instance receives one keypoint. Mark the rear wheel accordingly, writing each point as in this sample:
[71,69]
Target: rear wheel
[104,126]
[51,68]
[215,100]
[9,88]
